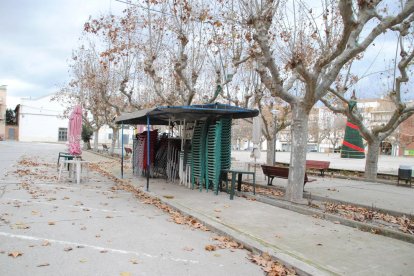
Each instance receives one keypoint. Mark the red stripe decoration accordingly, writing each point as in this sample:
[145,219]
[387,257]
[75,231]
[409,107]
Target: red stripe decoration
[352,146]
[351,125]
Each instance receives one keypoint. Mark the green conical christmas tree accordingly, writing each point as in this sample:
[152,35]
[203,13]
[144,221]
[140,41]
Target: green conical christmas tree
[352,146]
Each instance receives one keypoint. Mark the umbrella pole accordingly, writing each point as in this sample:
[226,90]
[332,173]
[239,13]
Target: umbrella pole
[122,150]
[148,151]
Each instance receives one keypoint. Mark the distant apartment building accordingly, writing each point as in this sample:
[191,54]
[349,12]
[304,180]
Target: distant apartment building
[3,107]
[377,112]
[405,136]
[326,129]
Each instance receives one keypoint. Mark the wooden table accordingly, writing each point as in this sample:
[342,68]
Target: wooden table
[239,173]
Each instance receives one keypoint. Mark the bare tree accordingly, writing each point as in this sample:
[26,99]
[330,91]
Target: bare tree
[296,47]
[375,134]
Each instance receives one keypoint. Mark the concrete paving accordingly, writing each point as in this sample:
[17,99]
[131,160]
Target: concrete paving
[88,229]
[314,245]
[383,196]
[386,164]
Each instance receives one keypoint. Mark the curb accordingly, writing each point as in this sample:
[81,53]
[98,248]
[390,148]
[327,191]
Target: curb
[249,242]
[331,217]
[104,155]
[309,195]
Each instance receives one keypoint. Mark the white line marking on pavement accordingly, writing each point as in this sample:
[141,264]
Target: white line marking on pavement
[81,188]
[70,206]
[99,248]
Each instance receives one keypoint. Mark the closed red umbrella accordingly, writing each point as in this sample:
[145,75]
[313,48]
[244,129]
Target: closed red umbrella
[75,130]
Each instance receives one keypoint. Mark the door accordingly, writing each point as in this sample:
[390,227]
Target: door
[12,135]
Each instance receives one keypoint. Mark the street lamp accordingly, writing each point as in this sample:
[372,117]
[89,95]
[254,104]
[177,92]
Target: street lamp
[275,113]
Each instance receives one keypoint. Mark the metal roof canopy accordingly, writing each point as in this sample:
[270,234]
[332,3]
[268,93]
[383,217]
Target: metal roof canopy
[163,114]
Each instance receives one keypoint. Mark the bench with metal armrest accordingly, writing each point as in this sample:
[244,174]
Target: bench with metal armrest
[322,166]
[105,148]
[280,172]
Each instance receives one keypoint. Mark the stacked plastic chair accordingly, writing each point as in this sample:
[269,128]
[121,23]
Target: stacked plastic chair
[198,154]
[213,155]
[225,143]
[141,152]
[160,164]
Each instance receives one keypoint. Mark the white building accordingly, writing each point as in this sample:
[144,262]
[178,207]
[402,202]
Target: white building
[41,120]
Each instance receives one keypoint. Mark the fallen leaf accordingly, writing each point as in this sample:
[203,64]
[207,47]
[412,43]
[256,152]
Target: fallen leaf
[216,255]
[45,243]
[337,222]
[217,210]
[134,261]
[109,217]
[20,225]
[188,249]
[82,261]
[44,264]
[210,247]
[35,212]
[67,249]
[15,254]
[169,196]
[51,223]
[125,274]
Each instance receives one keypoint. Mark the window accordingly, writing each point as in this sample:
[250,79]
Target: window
[109,136]
[126,139]
[63,134]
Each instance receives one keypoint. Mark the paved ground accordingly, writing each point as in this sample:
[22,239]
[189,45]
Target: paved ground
[384,196]
[386,164]
[313,244]
[328,247]
[66,229]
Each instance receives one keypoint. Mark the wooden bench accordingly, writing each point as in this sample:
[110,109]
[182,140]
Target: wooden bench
[128,151]
[105,148]
[318,165]
[280,172]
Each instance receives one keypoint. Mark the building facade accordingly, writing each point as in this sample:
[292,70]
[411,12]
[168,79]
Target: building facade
[3,107]
[406,137]
[41,120]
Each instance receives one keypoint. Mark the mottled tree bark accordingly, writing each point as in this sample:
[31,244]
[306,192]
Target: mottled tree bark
[371,161]
[270,150]
[297,168]
[96,139]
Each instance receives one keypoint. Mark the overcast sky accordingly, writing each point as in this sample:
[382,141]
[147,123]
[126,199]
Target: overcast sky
[37,38]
